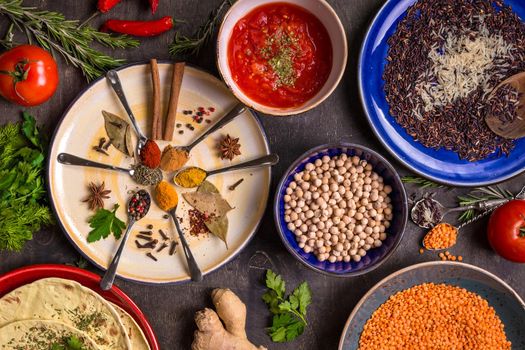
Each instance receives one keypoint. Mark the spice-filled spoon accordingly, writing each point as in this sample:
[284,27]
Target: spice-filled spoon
[193,176]
[167,199]
[512,93]
[184,151]
[428,212]
[140,173]
[114,81]
[138,207]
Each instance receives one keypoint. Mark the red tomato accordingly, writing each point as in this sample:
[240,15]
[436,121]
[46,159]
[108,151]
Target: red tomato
[28,75]
[506,231]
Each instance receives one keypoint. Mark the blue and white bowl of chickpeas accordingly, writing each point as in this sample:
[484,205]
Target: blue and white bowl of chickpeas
[341,209]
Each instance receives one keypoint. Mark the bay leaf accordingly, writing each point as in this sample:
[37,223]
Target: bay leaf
[118,131]
[129,143]
[218,226]
[209,203]
[207,199]
[207,187]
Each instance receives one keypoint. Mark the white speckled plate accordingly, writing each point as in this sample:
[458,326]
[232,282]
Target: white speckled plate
[81,127]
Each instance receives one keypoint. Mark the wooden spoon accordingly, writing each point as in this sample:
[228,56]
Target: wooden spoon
[510,129]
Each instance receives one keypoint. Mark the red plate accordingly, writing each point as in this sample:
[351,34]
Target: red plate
[25,275]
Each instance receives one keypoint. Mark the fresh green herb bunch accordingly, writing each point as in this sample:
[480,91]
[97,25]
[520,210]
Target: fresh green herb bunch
[191,45]
[481,194]
[289,318]
[421,182]
[53,32]
[23,202]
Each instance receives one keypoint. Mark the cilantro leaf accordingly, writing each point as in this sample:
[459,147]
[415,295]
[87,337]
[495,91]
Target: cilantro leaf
[285,327]
[103,223]
[275,283]
[289,320]
[304,297]
[30,130]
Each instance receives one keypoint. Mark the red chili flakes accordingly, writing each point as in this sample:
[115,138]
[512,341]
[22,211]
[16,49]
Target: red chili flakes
[197,222]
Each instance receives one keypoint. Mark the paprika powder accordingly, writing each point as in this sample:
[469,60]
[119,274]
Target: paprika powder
[150,155]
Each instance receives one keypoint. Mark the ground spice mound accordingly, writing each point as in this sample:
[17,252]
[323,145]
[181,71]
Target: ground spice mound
[434,316]
[443,60]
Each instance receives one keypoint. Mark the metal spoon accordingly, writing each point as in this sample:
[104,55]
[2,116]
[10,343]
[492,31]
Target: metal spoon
[195,271]
[232,114]
[270,159]
[114,81]
[516,128]
[109,277]
[69,159]
[489,208]
[442,210]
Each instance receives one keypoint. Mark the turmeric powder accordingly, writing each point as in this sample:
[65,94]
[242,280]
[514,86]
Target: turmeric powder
[166,196]
[190,177]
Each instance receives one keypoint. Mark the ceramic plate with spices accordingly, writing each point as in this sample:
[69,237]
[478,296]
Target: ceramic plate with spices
[430,120]
[32,284]
[152,254]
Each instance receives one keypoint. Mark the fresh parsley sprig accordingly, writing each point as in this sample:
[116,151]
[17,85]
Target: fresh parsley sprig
[289,320]
[105,222]
[53,32]
[69,343]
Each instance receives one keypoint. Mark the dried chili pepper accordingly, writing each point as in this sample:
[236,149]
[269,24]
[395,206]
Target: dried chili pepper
[139,28]
[106,5]
[154,4]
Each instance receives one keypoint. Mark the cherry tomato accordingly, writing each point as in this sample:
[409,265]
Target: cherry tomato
[506,231]
[28,75]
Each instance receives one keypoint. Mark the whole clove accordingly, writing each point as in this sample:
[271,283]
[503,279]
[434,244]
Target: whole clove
[144,237]
[151,256]
[234,186]
[162,247]
[173,247]
[147,233]
[100,147]
[163,235]
[148,245]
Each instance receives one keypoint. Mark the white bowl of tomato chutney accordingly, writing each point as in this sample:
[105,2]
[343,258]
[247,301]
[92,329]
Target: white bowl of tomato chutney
[281,57]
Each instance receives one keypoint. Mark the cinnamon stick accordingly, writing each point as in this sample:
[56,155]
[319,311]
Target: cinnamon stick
[156,126]
[176,82]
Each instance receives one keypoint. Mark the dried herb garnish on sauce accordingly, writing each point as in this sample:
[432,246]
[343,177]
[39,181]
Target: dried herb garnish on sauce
[280,50]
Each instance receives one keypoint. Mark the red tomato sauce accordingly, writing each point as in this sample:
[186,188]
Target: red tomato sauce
[280,55]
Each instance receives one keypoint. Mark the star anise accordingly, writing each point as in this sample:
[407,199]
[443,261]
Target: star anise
[229,147]
[97,194]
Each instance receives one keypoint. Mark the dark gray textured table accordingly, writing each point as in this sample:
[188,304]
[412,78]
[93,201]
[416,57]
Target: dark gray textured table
[170,309]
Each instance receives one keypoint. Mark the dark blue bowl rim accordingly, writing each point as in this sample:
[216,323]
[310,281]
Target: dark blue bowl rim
[310,153]
[385,144]
[418,266]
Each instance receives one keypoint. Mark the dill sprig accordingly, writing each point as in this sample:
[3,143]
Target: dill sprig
[191,45]
[481,194]
[421,182]
[53,32]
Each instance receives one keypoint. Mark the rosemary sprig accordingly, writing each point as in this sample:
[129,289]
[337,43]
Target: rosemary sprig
[191,45]
[53,32]
[481,194]
[421,182]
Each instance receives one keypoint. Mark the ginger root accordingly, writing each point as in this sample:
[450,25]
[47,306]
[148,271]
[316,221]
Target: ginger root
[212,334]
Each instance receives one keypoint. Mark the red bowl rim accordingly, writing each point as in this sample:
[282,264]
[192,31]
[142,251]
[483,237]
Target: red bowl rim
[24,275]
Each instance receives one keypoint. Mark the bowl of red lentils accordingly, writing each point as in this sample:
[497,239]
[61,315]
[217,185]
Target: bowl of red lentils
[437,305]
[341,209]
